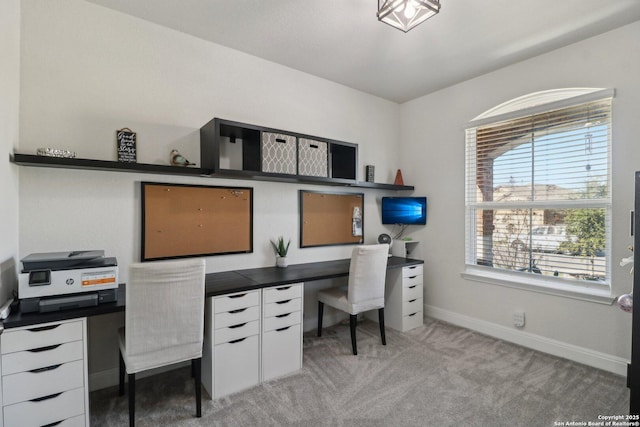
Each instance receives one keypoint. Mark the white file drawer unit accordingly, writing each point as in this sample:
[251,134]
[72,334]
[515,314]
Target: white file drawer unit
[281,330]
[403,306]
[231,353]
[44,375]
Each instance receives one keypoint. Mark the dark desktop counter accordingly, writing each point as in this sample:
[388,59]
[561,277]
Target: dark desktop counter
[220,283]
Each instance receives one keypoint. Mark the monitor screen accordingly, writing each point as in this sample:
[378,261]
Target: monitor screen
[404,210]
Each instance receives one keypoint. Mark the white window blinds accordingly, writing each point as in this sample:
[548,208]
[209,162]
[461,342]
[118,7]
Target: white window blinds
[538,193]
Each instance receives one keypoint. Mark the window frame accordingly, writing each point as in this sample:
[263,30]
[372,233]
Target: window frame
[530,105]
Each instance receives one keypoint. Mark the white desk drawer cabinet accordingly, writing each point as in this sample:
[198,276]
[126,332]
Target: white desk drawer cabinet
[412,292]
[41,382]
[67,407]
[236,366]
[411,321]
[281,321]
[281,330]
[403,309]
[236,317]
[21,361]
[44,375]
[412,270]
[282,307]
[237,301]
[237,331]
[280,294]
[39,336]
[231,353]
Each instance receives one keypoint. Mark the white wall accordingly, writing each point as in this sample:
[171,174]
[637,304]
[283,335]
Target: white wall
[9,108]
[611,60]
[88,70]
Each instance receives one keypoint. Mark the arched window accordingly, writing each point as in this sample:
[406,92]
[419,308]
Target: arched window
[538,189]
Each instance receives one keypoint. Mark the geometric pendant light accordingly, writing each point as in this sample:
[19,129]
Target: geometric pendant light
[406,14]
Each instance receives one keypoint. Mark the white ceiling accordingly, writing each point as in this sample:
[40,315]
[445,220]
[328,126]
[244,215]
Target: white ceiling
[343,41]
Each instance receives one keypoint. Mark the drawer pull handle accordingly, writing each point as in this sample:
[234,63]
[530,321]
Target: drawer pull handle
[282,329]
[411,287]
[239,325]
[237,341]
[283,302]
[237,296]
[43,328]
[412,277]
[412,268]
[57,423]
[40,399]
[413,314]
[412,300]
[283,141]
[47,348]
[45,369]
[240,310]
[280,316]
[284,288]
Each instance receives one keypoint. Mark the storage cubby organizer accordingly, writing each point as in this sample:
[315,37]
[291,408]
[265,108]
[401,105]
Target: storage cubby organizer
[243,148]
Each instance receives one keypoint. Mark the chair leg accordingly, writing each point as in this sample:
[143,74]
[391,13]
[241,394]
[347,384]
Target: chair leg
[353,318]
[320,310]
[197,370]
[132,400]
[381,321]
[121,375]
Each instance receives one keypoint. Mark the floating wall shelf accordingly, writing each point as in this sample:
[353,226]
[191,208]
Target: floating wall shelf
[107,165]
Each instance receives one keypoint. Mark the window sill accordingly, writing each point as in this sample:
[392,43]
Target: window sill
[600,294]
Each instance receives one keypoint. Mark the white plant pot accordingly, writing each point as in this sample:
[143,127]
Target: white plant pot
[281,261]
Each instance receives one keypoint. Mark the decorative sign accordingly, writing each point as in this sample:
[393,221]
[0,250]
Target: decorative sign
[126,140]
[370,173]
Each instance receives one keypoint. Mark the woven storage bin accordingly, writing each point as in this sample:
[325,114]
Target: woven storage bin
[312,157]
[278,153]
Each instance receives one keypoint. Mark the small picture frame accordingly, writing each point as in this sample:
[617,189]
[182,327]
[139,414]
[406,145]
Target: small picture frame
[126,145]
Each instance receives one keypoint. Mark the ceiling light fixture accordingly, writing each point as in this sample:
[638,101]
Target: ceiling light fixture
[406,14]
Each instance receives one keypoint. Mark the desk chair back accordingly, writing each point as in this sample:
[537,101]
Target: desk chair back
[164,321]
[164,316]
[367,273]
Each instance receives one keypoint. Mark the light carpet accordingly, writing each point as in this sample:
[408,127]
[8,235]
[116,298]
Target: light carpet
[435,375]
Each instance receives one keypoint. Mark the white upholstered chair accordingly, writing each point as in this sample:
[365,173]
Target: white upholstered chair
[365,290]
[164,321]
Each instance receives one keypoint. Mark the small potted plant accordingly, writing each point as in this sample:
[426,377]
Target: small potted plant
[281,250]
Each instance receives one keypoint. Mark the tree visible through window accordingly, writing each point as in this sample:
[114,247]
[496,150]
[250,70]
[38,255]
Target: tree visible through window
[538,192]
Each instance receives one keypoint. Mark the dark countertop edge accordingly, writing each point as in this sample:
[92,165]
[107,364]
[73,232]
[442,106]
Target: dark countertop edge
[240,281]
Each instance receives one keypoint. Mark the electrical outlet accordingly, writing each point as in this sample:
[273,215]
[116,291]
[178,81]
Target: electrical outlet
[518,319]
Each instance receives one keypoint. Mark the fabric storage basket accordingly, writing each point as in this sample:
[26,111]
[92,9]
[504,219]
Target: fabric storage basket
[278,153]
[312,157]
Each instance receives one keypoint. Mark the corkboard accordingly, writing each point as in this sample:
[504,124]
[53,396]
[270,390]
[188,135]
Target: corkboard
[327,218]
[193,220]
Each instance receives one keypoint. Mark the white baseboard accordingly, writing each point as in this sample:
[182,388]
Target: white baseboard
[606,362]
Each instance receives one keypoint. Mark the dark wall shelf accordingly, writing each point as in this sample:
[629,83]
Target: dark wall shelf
[106,165]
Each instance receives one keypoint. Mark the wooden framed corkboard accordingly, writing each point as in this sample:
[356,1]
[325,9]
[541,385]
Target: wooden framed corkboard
[184,220]
[331,218]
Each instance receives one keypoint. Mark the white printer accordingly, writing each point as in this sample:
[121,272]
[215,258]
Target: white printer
[55,281]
